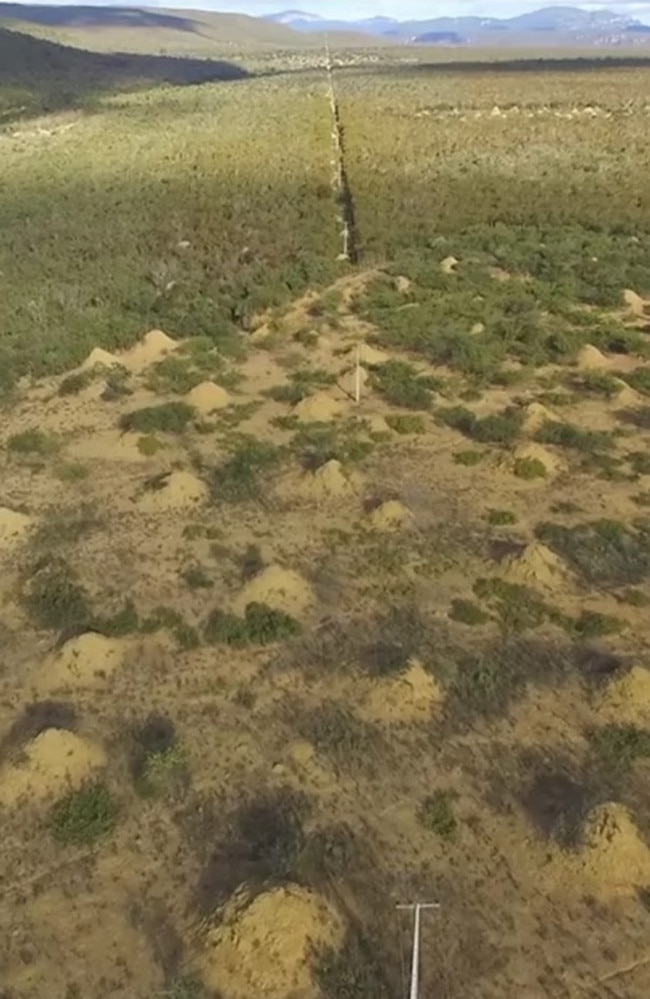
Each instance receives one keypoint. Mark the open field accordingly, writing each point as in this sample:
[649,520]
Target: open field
[275,659]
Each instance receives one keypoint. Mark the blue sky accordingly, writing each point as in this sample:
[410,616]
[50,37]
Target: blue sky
[402,9]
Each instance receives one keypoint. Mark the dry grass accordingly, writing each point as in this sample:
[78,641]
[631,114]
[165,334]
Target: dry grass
[325,657]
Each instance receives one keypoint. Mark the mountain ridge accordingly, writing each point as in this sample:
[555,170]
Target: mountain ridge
[546,25]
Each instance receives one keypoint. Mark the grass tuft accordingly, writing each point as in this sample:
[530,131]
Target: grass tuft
[84,816]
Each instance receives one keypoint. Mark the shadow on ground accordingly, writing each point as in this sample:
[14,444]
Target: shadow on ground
[94,17]
[39,77]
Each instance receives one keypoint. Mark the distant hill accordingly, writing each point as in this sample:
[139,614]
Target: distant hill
[38,76]
[160,31]
[547,26]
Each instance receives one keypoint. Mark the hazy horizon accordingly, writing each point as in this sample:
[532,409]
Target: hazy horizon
[344,10]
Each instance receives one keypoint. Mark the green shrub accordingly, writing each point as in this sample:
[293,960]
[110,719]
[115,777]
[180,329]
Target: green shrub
[261,625]
[596,383]
[499,428]
[603,552]
[401,385]
[53,597]
[436,813]
[301,385]
[72,471]
[149,445]
[75,383]
[32,441]
[406,423]
[84,816]
[197,578]
[467,612]
[116,385]
[163,770]
[501,518]
[638,380]
[569,436]
[529,468]
[591,624]
[469,458]
[518,607]
[167,418]
[236,480]
[619,746]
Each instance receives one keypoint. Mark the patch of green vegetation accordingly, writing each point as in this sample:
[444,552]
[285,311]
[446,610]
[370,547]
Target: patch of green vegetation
[186,636]
[499,428]
[402,385]
[469,458]
[467,612]
[316,443]
[501,518]
[175,375]
[575,438]
[591,624]
[196,578]
[260,625]
[599,383]
[183,988]
[406,423]
[529,469]
[603,552]
[618,747]
[436,813]
[518,607]
[52,595]
[338,733]
[638,379]
[301,385]
[167,418]
[149,445]
[162,771]
[72,471]
[125,621]
[237,479]
[74,383]
[83,817]
[116,384]
[32,441]
[65,526]
[233,415]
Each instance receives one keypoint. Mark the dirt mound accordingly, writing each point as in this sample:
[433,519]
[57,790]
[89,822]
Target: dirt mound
[537,452]
[635,303]
[208,397]
[537,566]
[85,661]
[626,396]
[409,698]
[176,491]
[282,589]
[56,761]
[591,359]
[536,416]
[328,482]
[627,698]
[615,856]
[13,527]
[264,950]
[99,358]
[108,445]
[390,516]
[319,408]
[153,347]
[448,265]
[402,284]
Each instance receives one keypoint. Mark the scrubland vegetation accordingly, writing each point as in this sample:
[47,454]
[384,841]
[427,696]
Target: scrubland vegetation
[275,660]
